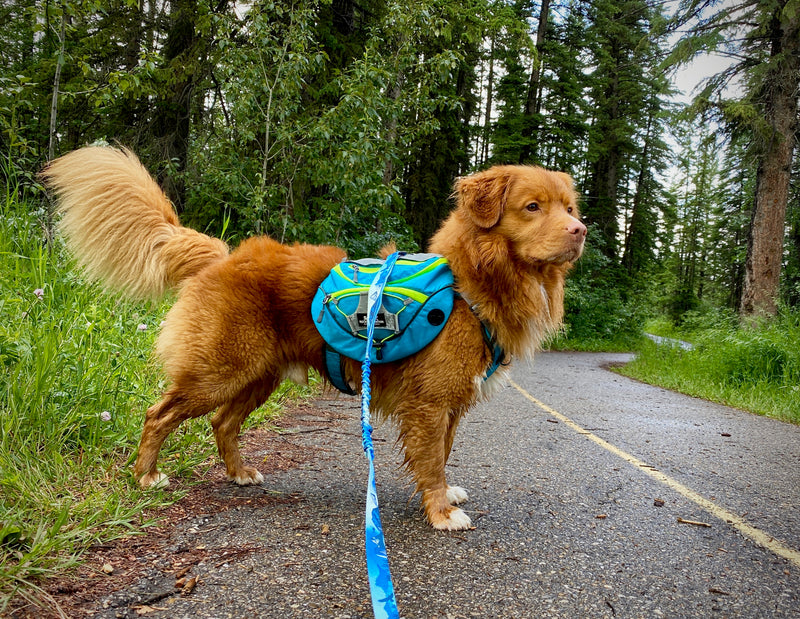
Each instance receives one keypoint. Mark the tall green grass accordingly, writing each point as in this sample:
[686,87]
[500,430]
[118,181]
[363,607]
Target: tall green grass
[76,375]
[756,368]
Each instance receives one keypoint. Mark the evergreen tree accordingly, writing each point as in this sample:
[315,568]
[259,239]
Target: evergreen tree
[791,273]
[649,200]
[565,104]
[731,218]
[515,50]
[619,34]
[436,159]
[769,60]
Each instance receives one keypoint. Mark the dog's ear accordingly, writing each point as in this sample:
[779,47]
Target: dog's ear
[483,195]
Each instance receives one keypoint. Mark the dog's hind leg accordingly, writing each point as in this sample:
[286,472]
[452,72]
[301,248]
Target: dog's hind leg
[161,419]
[227,423]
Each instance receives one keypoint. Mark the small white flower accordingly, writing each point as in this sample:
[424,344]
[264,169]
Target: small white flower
[142,327]
[39,293]
[105,416]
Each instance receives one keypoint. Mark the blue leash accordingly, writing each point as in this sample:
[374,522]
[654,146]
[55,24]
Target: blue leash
[384,605]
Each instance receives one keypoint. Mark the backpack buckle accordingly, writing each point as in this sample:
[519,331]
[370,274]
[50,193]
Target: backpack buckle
[357,321]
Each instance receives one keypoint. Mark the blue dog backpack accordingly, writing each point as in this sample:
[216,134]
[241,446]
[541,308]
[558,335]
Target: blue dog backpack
[416,303]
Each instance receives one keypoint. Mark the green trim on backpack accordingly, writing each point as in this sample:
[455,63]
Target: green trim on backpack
[416,303]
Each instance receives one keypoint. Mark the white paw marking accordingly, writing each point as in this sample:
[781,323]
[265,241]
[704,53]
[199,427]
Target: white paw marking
[458,521]
[250,478]
[456,495]
[157,482]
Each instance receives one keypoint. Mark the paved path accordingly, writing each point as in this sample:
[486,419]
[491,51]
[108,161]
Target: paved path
[578,508]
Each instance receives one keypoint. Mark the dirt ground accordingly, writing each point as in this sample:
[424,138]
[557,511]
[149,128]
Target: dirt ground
[114,566]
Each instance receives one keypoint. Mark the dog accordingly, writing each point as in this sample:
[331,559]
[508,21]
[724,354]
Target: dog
[242,322]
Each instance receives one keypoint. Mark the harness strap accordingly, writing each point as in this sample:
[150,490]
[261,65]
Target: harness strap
[498,354]
[334,369]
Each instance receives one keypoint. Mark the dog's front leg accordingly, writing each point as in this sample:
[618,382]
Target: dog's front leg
[456,495]
[427,435]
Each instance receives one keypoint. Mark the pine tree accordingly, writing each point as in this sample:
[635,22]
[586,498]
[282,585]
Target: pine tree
[769,60]
[620,34]
[515,50]
[565,103]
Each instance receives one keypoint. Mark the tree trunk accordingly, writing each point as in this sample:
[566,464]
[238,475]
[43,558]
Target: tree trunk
[532,105]
[765,240]
[51,147]
[633,256]
[171,122]
[487,119]
[393,94]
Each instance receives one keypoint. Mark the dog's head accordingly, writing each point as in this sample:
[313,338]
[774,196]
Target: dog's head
[534,209]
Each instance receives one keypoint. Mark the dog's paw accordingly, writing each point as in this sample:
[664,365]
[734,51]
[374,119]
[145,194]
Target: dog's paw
[456,495]
[454,520]
[247,476]
[154,480]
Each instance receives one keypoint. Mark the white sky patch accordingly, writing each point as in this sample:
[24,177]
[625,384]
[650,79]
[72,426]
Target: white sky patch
[690,79]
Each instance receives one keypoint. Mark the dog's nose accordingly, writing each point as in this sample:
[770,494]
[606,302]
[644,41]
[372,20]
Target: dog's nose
[577,228]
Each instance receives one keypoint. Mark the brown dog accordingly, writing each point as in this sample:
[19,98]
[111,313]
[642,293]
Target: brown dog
[242,322]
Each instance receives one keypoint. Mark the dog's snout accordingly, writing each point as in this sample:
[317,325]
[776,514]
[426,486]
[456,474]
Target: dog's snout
[577,228]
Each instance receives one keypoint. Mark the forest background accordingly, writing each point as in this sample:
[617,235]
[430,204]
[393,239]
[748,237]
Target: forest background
[344,122]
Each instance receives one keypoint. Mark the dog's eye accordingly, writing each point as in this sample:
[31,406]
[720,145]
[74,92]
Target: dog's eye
[532,207]
[569,209]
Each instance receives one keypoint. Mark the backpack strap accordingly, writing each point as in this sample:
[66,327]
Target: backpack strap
[498,354]
[334,370]
[333,362]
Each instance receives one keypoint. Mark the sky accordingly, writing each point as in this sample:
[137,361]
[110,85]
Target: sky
[689,78]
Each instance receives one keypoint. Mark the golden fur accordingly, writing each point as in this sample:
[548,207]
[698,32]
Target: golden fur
[242,320]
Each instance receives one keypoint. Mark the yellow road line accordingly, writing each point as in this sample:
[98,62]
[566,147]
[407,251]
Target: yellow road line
[759,537]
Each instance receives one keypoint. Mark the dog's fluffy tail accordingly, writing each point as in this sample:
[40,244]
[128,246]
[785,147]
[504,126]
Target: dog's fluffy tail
[121,227]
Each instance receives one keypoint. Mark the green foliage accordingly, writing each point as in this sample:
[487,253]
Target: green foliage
[309,134]
[757,369]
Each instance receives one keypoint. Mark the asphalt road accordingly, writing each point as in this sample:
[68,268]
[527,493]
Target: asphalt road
[617,499]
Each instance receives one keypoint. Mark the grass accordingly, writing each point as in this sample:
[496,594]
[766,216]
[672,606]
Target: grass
[754,368]
[620,343]
[76,375]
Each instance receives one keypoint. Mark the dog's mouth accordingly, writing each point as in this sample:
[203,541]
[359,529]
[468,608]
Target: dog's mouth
[568,254]
[573,253]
